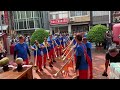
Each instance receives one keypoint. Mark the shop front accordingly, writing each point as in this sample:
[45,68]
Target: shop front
[80,28]
[59,25]
[59,29]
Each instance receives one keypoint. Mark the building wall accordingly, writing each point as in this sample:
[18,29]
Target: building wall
[116,16]
[81,20]
[58,21]
[79,16]
[100,17]
[30,20]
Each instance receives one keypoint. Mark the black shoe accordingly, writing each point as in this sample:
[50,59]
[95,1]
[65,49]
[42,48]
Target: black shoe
[51,62]
[105,74]
[37,70]
[50,65]
[54,61]
[41,69]
[44,66]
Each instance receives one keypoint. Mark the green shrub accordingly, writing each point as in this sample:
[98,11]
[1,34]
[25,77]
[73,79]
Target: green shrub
[39,35]
[96,33]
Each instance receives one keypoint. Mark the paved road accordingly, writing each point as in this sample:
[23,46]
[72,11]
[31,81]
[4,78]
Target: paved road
[98,68]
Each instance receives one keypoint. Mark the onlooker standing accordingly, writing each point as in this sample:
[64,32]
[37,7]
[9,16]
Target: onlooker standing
[21,50]
[109,39]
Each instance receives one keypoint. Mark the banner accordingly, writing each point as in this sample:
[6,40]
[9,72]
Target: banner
[59,21]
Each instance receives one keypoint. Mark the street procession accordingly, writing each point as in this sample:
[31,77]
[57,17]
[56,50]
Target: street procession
[75,52]
[59,48]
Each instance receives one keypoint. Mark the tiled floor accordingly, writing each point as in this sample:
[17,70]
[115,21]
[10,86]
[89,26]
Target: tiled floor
[98,68]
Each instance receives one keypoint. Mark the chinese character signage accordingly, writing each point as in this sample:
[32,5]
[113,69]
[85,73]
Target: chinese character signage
[59,21]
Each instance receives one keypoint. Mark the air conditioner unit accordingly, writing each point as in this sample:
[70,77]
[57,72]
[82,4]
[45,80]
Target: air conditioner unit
[72,19]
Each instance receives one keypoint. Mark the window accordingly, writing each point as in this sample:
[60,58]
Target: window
[31,24]
[32,14]
[65,15]
[23,14]
[84,12]
[28,13]
[78,13]
[72,13]
[25,25]
[15,14]
[16,25]
[21,25]
[60,16]
[37,24]
[18,14]
[51,17]
[35,13]
[28,26]
[54,16]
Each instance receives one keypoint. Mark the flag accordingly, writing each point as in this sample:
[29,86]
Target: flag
[65,71]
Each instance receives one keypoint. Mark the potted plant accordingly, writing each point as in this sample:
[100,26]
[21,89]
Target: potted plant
[96,35]
[39,35]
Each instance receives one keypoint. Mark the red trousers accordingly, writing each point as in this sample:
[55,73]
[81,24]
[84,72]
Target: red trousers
[26,61]
[44,59]
[51,54]
[75,58]
[83,74]
[59,51]
[39,61]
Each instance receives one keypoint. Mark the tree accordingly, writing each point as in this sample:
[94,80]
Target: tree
[96,34]
[39,35]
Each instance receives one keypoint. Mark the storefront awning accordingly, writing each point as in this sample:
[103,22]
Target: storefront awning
[4,27]
[59,25]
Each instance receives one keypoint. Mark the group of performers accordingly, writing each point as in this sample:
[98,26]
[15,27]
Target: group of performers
[52,47]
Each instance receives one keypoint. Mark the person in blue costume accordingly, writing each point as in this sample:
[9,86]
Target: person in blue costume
[59,48]
[82,62]
[51,52]
[89,47]
[37,48]
[45,50]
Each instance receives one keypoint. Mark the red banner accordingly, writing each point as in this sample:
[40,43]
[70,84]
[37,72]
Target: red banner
[59,21]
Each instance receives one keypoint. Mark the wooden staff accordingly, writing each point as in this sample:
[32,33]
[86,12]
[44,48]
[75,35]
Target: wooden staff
[69,52]
[35,56]
[69,45]
[54,48]
[67,48]
[63,66]
[35,63]
[64,42]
